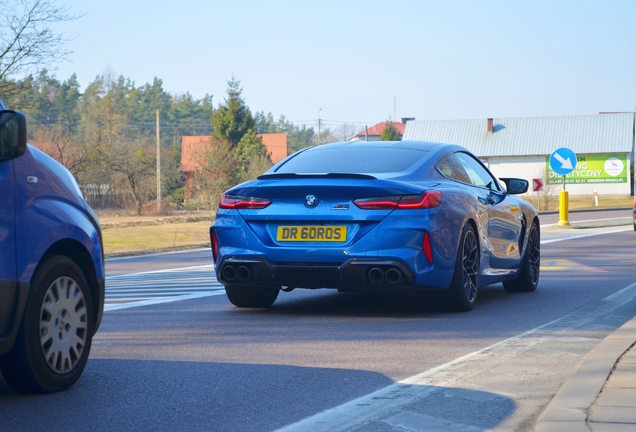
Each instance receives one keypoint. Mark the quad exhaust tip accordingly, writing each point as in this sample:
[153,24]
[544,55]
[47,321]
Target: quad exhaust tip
[241,273]
[393,276]
[377,275]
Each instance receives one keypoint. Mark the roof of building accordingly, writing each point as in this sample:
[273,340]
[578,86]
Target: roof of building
[192,148]
[276,145]
[586,134]
[379,128]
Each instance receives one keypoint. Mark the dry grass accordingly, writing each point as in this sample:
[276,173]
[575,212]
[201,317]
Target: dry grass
[155,238]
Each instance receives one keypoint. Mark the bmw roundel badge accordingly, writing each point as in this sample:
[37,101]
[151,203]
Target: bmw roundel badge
[311,201]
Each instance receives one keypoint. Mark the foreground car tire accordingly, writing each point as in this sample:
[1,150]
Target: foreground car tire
[462,293]
[529,277]
[251,296]
[54,339]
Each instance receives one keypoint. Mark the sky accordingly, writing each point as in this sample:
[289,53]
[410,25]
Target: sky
[363,62]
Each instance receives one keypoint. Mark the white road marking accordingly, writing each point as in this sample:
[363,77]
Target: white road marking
[585,235]
[387,401]
[132,290]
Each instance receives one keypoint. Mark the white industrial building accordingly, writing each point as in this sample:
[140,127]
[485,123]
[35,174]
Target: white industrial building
[521,147]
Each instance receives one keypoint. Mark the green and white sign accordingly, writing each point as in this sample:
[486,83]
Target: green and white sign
[595,168]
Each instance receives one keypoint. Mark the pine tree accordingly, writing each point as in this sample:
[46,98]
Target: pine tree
[390,133]
[233,118]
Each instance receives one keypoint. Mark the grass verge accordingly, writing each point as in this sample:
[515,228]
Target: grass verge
[155,238]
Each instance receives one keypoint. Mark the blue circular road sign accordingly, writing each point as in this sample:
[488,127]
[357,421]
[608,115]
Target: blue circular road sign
[563,161]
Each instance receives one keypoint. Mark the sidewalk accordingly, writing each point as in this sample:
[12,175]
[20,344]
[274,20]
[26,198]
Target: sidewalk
[601,395]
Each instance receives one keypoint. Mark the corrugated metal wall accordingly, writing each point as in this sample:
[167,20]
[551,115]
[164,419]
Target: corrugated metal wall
[603,133]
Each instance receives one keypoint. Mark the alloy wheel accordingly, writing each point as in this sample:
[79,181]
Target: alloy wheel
[470,265]
[534,256]
[63,325]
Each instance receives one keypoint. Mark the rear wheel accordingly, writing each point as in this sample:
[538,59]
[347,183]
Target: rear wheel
[54,339]
[462,293]
[529,277]
[251,296]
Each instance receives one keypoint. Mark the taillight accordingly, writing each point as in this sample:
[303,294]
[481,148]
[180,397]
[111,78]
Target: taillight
[427,247]
[215,245]
[428,199]
[243,202]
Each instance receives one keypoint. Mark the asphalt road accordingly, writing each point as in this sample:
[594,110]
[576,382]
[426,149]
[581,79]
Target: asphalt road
[203,364]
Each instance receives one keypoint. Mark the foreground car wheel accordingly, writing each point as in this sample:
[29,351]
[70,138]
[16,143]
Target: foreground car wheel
[54,339]
[529,277]
[251,297]
[462,293]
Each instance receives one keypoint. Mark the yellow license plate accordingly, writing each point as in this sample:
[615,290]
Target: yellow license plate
[311,233]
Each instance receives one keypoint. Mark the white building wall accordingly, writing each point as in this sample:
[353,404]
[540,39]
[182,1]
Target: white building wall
[531,167]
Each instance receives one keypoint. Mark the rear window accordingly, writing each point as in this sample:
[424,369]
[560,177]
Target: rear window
[362,160]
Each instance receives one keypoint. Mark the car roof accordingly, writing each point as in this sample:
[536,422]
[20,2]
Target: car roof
[418,145]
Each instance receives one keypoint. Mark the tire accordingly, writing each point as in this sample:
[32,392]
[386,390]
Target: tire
[54,339]
[462,293]
[528,279]
[251,296]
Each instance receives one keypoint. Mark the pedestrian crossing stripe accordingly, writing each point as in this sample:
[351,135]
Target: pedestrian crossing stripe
[161,286]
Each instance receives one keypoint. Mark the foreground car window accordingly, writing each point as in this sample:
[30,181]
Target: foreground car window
[361,160]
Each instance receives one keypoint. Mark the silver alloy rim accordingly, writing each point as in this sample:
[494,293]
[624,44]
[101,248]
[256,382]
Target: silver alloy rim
[470,265]
[535,254]
[63,325]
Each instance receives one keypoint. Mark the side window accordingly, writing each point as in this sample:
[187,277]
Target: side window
[479,176]
[464,168]
[453,169]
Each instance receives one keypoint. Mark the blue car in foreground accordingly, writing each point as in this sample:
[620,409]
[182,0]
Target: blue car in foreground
[355,216]
[52,267]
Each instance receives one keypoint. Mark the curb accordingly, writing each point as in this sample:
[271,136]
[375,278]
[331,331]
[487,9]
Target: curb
[568,410]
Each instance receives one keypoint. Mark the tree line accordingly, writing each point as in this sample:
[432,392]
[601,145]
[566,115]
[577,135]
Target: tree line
[106,135]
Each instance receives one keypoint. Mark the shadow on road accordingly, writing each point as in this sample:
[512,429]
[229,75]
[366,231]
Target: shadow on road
[116,395]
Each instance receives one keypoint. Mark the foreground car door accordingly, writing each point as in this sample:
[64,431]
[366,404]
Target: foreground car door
[7,248]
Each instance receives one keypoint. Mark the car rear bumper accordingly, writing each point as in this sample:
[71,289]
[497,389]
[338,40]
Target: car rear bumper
[354,274]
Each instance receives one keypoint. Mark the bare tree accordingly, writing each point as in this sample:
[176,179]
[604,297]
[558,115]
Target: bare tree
[256,165]
[346,131]
[218,171]
[27,39]
[134,160]
[326,136]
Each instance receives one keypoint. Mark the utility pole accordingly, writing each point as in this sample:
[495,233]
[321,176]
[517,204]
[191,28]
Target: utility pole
[319,125]
[158,166]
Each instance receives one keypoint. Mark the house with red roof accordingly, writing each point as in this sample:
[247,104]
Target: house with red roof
[193,150]
[373,133]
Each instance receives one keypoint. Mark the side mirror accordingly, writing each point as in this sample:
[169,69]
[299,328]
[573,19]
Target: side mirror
[13,132]
[515,186]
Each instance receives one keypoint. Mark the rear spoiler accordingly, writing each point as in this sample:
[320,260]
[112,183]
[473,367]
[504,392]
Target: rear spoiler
[315,176]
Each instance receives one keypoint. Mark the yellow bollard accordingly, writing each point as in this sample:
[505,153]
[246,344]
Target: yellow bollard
[563,208]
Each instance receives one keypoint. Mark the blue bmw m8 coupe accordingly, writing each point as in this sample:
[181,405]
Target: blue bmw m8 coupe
[355,216]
